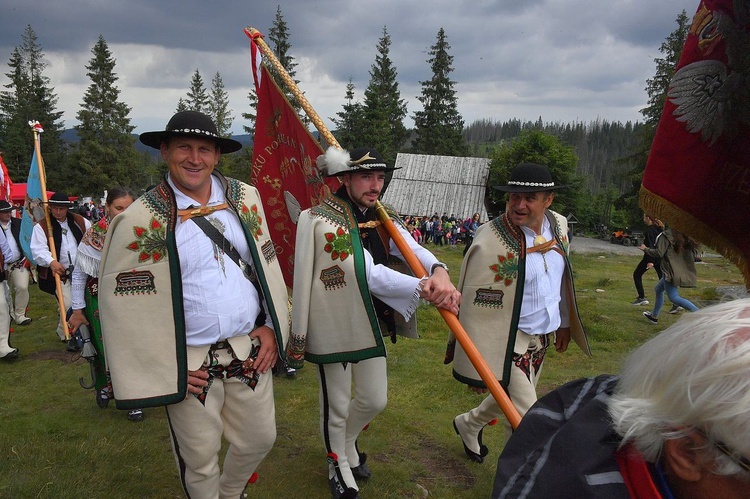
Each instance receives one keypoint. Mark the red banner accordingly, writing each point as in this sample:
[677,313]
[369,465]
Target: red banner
[283,169]
[697,178]
[6,184]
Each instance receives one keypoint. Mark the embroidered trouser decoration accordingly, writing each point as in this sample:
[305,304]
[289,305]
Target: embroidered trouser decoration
[242,370]
[532,359]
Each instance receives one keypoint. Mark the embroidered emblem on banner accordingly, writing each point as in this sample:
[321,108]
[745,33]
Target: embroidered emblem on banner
[338,244]
[486,297]
[333,278]
[506,268]
[135,282]
[268,250]
[150,242]
[252,220]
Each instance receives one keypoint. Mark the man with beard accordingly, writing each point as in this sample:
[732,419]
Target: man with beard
[346,299]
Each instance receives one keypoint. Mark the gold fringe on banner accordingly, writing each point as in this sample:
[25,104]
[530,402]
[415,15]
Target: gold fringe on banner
[658,207]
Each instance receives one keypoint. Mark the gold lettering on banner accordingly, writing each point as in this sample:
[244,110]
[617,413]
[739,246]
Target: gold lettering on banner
[736,177]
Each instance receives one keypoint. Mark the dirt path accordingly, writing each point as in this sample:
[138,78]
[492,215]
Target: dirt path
[587,245]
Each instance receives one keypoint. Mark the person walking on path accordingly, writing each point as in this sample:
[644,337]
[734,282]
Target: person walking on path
[677,253]
[654,227]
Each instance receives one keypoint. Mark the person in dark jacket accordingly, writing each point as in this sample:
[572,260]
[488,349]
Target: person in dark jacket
[677,253]
[654,227]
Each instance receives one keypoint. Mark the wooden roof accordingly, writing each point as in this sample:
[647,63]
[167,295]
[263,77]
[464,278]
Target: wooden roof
[438,184]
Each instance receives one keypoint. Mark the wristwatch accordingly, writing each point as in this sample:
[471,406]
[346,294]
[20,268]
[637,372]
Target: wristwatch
[438,264]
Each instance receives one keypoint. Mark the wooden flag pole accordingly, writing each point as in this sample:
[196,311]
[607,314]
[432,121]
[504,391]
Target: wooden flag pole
[481,366]
[50,238]
[484,371]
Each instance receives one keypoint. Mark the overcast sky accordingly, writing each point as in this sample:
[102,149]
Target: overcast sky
[563,60]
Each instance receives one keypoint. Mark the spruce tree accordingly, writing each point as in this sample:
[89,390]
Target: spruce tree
[218,106]
[104,155]
[349,123]
[279,37]
[439,124]
[280,45]
[181,106]
[384,110]
[15,135]
[197,97]
[30,97]
[251,114]
[657,87]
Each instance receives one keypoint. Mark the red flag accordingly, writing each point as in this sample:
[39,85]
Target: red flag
[697,177]
[6,184]
[283,168]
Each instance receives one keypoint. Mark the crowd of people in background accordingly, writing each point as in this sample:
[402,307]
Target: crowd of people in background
[442,230]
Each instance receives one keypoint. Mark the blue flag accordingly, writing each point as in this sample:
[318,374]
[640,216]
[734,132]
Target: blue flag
[33,207]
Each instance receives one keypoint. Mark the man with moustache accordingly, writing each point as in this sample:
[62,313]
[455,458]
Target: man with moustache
[67,230]
[346,299]
[517,285]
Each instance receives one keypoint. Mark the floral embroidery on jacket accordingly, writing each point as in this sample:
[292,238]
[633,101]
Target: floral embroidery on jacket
[338,244]
[150,242]
[506,269]
[252,220]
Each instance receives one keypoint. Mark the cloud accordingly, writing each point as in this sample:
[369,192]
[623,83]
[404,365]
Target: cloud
[563,60]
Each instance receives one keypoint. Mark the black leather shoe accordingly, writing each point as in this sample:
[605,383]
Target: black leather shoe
[71,345]
[10,356]
[102,398]
[136,415]
[339,492]
[483,450]
[361,472]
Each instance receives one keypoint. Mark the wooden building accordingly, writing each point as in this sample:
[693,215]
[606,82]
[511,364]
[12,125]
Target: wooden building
[438,184]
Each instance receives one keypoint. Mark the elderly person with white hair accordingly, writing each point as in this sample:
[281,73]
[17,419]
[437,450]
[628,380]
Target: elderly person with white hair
[676,423]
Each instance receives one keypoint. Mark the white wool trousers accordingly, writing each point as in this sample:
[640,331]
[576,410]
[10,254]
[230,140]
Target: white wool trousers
[245,417]
[5,347]
[522,385]
[351,395]
[18,281]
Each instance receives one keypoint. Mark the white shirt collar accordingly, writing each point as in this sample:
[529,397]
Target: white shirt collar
[546,229]
[184,201]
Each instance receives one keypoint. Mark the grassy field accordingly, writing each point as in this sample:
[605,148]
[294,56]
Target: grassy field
[56,442]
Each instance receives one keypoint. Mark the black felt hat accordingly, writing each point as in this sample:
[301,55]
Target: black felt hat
[59,199]
[530,177]
[337,162]
[5,207]
[190,123]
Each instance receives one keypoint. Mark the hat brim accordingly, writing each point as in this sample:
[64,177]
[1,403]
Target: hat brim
[155,139]
[525,188]
[358,170]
